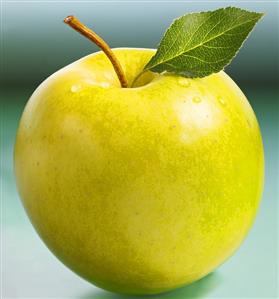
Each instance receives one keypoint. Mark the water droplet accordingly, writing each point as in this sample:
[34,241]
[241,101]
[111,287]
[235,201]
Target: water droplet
[104,84]
[196,99]
[75,88]
[221,101]
[184,82]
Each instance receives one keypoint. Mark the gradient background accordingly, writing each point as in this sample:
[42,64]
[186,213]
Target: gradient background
[35,43]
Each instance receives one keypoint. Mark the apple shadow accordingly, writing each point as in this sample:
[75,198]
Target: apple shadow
[198,289]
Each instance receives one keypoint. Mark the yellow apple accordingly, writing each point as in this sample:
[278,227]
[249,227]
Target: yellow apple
[144,189]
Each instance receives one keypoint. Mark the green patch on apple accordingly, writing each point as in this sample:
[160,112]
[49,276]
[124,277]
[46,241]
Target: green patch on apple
[142,170]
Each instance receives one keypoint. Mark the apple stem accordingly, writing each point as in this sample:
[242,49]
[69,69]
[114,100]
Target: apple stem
[73,22]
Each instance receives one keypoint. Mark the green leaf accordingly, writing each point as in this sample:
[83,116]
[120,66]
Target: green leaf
[199,44]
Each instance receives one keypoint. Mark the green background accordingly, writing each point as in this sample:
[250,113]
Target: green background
[35,43]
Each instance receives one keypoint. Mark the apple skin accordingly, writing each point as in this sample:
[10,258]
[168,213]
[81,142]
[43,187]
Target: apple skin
[139,190]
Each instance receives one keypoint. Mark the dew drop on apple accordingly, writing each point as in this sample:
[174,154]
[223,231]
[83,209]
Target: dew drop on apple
[104,84]
[196,99]
[221,101]
[75,88]
[184,82]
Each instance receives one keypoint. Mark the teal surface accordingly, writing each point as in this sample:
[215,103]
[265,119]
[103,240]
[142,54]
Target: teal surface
[31,271]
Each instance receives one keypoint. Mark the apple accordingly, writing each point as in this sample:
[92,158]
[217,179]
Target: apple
[143,189]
